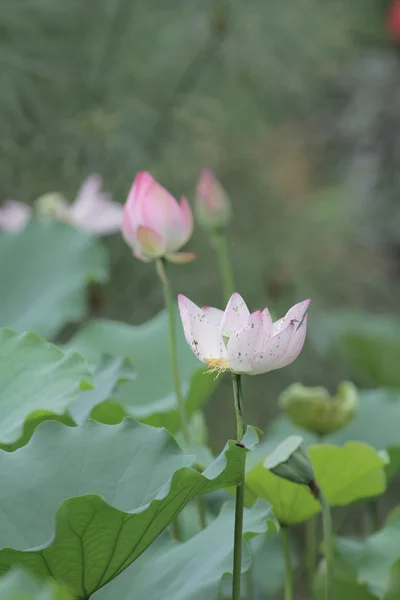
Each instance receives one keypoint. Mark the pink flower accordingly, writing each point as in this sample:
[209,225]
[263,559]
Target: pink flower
[213,207]
[92,210]
[393,20]
[14,216]
[241,342]
[154,224]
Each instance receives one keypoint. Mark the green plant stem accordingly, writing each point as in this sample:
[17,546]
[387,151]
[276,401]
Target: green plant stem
[161,266]
[170,306]
[311,552]
[221,247]
[288,563]
[239,509]
[372,508]
[176,530]
[327,530]
[249,585]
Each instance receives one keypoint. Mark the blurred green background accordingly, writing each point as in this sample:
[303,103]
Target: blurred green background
[295,107]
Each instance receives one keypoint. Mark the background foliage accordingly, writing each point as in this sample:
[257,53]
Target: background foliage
[296,109]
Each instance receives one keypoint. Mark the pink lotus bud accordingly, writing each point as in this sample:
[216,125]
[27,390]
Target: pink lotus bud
[154,224]
[14,215]
[213,207]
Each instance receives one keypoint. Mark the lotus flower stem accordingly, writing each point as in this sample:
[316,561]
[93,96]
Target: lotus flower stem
[288,589]
[221,247]
[170,307]
[238,536]
[372,508]
[311,552]
[161,265]
[327,529]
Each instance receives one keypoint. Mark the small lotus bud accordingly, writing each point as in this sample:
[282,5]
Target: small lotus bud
[290,461]
[315,410]
[393,20]
[213,207]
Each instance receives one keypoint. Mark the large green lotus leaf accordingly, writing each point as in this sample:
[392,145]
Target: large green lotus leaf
[345,584]
[82,503]
[368,343]
[376,406]
[345,474]
[394,582]
[373,557]
[35,377]
[191,570]
[107,375]
[20,585]
[267,566]
[150,398]
[45,270]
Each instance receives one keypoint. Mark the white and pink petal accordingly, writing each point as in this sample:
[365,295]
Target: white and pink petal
[296,314]
[150,243]
[242,344]
[201,335]
[273,350]
[295,345]
[235,315]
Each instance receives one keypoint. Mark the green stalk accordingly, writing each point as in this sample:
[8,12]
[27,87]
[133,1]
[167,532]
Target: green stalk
[169,300]
[221,247]
[239,509]
[372,508]
[161,266]
[311,552]
[327,530]
[288,564]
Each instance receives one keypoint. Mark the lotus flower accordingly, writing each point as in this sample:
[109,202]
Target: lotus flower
[213,207]
[241,342]
[14,216]
[92,210]
[154,224]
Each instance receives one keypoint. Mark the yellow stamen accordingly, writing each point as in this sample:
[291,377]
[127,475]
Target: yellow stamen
[217,365]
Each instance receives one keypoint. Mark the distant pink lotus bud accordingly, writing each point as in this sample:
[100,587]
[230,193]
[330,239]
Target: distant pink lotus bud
[154,224]
[14,215]
[241,342]
[213,207]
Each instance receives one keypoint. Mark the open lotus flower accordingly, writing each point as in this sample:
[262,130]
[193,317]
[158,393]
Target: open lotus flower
[213,207]
[92,210]
[241,342]
[154,224]
[14,215]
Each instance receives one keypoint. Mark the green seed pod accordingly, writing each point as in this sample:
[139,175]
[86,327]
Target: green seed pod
[51,206]
[290,461]
[314,409]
